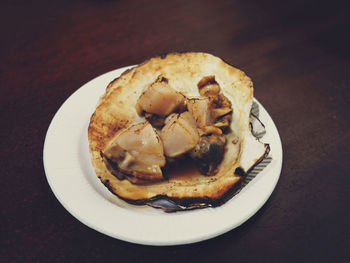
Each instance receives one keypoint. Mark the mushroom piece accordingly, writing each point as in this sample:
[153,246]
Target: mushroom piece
[137,153]
[179,135]
[159,99]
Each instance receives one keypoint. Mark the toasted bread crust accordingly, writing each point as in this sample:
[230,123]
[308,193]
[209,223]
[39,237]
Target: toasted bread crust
[116,110]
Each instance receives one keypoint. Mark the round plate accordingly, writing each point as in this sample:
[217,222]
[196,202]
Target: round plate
[73,181]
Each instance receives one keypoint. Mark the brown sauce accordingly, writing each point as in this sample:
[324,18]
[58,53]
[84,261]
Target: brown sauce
[182,169]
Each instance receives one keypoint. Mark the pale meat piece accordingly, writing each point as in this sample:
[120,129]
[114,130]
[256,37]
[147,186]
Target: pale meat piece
[159,98]
[208,86]
[219,107]
[137,151]
[179,135]
[200,110]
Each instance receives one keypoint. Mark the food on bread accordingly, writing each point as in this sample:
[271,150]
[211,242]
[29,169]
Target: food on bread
[136,152]
[188,110]
[159,98]
[179,134]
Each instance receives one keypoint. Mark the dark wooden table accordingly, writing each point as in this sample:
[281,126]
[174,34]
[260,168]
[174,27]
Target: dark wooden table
[296,52]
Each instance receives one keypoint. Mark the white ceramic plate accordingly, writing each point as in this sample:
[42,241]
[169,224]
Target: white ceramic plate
[72,179]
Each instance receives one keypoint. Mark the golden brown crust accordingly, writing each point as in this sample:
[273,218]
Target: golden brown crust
[116,110]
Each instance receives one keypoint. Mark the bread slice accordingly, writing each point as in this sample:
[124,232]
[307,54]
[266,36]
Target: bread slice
[116,110]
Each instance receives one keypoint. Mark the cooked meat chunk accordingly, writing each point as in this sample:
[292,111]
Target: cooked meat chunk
[138,152]
[219,105]
[200,110]
[208,86]
[179,135]
[159,98]
[209,115]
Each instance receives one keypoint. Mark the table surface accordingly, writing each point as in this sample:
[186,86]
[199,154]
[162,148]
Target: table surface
[298,56]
